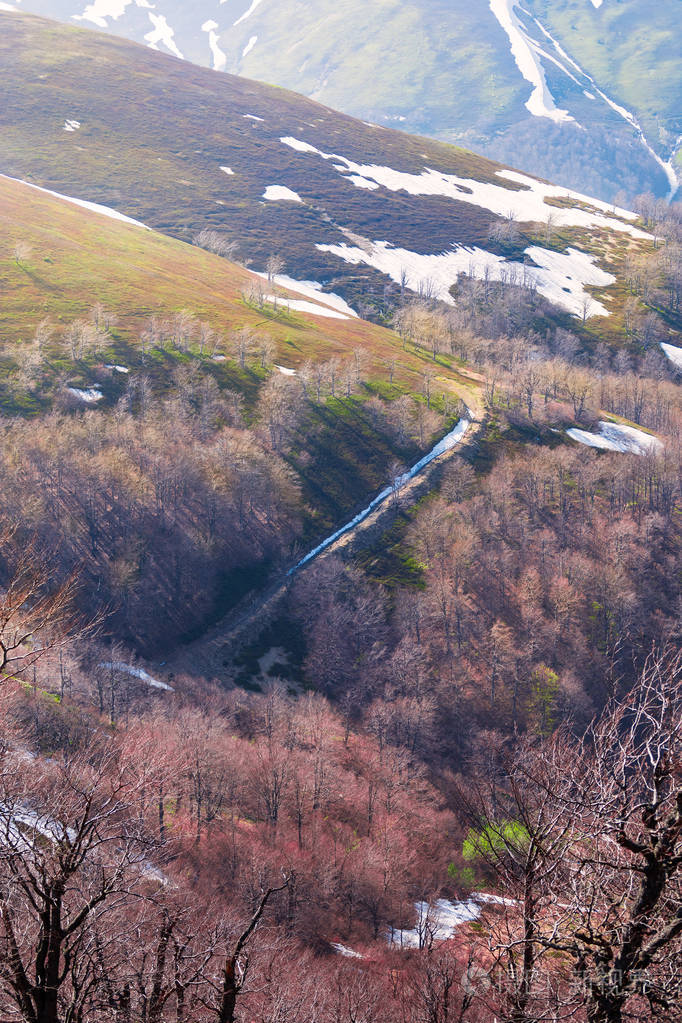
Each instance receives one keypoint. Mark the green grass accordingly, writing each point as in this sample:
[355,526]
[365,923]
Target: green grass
[632,49]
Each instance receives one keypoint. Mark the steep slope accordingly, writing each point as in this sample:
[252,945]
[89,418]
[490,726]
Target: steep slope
[350,205]
[581,91]
[179,416]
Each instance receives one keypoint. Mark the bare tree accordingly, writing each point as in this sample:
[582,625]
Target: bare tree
[236,963]
[21,253]
[34,614]
[274,266]
[586,836]
[73,849]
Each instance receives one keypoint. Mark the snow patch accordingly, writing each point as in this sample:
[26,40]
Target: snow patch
[253,117]
[247,14]
[279,193]
[21,828]
[117,369]
[249,46]
[360,182]
[494,900]
[345,951]
[285,371]
[227,170]
[559,277]
[294,305]
[526,54]
[300,147]
[673,353]
[98,11]
[437,922]
[90,395]
[129,669]
[71,125]
[219,58]
[162,33]
[94,207]
[616,437]
[527,204]
[667,166]
[312,289]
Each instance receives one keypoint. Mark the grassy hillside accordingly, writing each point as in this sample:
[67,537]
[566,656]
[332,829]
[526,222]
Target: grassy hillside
[156,136]
[76,259]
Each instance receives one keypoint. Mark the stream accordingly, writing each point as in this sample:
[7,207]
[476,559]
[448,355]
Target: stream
[446,443]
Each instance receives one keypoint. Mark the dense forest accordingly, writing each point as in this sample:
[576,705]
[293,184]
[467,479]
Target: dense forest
[436,779]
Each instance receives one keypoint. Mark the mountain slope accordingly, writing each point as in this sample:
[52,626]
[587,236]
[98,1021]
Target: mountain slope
[187,383]
[580,91]
[356,207]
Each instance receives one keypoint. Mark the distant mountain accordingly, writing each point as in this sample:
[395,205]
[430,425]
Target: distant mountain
[588,92]
[360,209]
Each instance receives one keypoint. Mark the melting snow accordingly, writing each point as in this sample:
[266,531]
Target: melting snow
[117,369]
[312,290]
[526,204]
[345,951]
[615,437]
[246,14]
[277,193]
[71,125]
[162,33]
[559,277]
[525,52]
[19,827]
[495,900]
[446,444]
[435,923]
[673,353]
[219,58]
[300,147]
[360,182]
[100,10]
[90,395]
[94,207]
[140,673]
[249,46]
[667,166]
[439,921]
[285,371]
[306,307]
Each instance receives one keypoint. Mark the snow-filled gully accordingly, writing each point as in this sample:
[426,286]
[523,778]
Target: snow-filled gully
[448,442]
[528,54]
